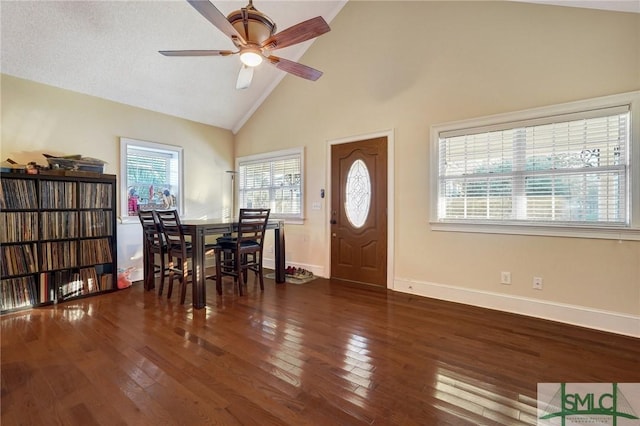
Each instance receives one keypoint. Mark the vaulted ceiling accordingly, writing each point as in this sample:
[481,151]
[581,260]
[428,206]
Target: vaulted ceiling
[110,49]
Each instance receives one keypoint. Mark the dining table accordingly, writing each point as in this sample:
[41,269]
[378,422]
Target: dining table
[199,229]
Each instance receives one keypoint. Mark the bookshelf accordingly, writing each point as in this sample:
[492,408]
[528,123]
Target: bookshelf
[57,238]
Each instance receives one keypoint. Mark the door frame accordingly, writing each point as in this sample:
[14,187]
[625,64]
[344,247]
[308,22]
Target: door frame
[390,198]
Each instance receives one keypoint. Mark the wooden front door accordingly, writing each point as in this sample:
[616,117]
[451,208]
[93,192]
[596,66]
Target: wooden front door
[359,211]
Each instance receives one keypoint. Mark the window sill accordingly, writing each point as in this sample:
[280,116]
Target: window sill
[631,234]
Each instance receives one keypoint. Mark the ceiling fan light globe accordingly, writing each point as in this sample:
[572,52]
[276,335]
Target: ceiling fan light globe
[251,58]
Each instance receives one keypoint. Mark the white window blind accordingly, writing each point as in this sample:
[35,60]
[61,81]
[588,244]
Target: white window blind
[273,181]
[146,167]
[152,174]
[570,169]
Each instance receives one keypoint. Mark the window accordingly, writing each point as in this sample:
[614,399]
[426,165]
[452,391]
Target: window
[274,180]
[151,176]
[568,166]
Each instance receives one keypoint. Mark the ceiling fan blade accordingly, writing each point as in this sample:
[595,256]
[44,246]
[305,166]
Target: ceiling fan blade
[213,15]
[297,34]
[295,68]
[244,77]
[196,52]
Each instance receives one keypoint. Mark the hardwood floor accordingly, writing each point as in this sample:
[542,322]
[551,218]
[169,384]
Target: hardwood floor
[322,353]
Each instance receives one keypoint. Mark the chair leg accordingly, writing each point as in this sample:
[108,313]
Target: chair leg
[238,277]
[162,271]
[260,272]
[245,260]
[162,283]
[171,277]
[183,281]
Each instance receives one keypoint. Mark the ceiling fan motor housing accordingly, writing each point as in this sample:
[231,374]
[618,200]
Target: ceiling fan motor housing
[253,25]
[254,35]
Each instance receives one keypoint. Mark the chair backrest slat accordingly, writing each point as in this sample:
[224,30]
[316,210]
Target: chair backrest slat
[173,234]
[151,227]
[252,225]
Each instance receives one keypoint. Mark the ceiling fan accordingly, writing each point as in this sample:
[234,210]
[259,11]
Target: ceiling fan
[254,34]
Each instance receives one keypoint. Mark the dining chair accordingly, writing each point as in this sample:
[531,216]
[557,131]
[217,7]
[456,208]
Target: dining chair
[154,246]
[242,253]
[179,250]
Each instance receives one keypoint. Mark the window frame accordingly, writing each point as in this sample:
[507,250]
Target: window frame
[270,157]
[622,232]
[125,145]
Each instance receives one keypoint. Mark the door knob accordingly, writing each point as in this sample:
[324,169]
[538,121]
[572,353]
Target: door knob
[333,221]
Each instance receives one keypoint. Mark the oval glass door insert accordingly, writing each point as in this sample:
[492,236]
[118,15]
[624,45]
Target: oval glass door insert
[358,194]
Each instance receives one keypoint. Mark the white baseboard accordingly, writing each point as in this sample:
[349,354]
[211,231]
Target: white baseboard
[613,322]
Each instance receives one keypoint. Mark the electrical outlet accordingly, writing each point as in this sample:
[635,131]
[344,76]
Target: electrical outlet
[537,283]
[505,277]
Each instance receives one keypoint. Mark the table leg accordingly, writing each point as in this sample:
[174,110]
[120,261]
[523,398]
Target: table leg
[199,289]
[280,257]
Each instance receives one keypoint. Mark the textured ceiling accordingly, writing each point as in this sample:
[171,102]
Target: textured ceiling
[110,49]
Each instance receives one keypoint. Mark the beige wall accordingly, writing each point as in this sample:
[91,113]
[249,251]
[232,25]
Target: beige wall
[39,119]
[408,65]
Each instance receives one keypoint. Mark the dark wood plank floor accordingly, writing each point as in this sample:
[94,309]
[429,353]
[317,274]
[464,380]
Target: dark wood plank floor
[322,353]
